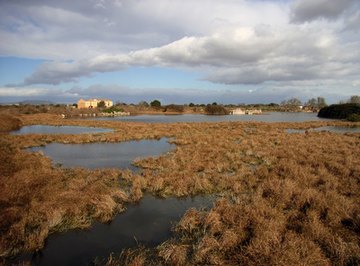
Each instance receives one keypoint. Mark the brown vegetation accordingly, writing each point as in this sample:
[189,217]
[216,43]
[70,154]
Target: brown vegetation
[214,109]
[9,122]
[286,198]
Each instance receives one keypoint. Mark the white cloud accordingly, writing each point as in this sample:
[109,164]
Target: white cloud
[241,55]
[303,90]
[69,30]
[21,92]
[230,42]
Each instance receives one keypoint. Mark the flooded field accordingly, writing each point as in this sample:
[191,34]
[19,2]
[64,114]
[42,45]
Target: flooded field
[147,223]
[104,155]
[42,129]
[334,129]
[266,117]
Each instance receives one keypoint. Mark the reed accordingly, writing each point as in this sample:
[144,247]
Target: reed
[286,198]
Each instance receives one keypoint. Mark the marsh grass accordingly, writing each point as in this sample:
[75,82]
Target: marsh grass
[287,199]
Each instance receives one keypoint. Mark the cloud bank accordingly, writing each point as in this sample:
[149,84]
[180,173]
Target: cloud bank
[234,56]
[244,43]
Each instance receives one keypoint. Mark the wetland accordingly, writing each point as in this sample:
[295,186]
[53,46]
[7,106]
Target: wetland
[281,198]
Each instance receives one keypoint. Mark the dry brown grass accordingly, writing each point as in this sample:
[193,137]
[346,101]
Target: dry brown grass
[287,198]
[9,122]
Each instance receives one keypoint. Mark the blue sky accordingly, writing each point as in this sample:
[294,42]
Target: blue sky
[179,51]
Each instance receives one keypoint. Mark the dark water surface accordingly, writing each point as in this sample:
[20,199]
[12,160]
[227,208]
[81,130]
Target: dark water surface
[266,117]
[104,155]
[148,223]
[334,129]
[41,129]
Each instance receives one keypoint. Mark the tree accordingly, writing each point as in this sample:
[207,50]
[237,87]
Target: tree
[312,103]
[191,105]
[354,99]
[143,104]
[293,102]
[101,104]
[340,111]
[155,103]
[321,102]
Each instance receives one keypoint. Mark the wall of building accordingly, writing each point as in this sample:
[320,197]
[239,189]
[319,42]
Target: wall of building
[93,103]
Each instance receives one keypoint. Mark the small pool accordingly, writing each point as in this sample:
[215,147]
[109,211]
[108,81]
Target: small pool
[147,223]
[104,155]
[335,129]
[265,117]
[41,129]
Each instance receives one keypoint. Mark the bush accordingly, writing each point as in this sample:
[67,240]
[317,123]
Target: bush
[353,118]
[113,109]
[216,110]
[340,111]
[174,108]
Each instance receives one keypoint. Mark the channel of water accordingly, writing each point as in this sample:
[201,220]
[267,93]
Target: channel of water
[147,223]
[43,129]
[334,129]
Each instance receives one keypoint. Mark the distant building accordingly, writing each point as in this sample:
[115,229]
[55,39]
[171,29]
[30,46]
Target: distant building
[240,111]
[253,112]
[237,111]
[93,103]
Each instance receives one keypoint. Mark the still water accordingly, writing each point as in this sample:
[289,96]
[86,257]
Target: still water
[334,129]
[148,223]
[104,155]
[41,129]
[266,117]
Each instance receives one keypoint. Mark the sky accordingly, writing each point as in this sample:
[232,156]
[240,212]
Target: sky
[179,51]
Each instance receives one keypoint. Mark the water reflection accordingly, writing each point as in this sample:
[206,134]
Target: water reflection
[335,129]
[148,223]
[266,117]
[41,129]
[104,155]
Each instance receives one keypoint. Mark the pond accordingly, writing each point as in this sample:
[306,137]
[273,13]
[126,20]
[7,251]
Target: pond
[41,129]
[334,129]
[147,223]
[104,155]
[266,117]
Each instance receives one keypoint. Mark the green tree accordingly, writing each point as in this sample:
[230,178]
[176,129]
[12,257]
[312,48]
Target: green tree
[101,104]
[155,103]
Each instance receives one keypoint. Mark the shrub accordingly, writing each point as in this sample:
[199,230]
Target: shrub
[174,108]
[216,110]
[340,111]
[113,109]
[353,118]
